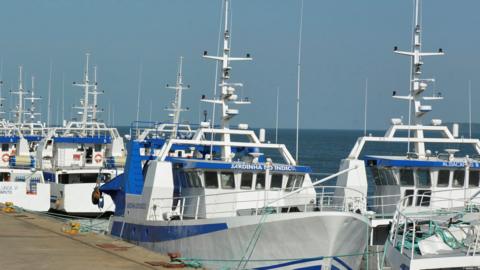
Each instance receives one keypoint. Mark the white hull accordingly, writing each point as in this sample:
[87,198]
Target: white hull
[287,241]
[76,199]
[19,195]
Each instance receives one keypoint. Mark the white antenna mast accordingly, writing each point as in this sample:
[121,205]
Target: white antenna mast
[49,93]
[365,108]
[276,116]
[470,108]
[95,94]
[20,92]
[1,85]
[31,111]
[86,91]
[139,90]
[63,97]
[176,108]
[299,63]
[417,84]
[228,89]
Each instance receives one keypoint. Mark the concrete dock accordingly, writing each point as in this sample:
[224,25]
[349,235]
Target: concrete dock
[34,241]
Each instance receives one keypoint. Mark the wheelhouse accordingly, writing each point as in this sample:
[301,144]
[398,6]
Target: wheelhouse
[417,179]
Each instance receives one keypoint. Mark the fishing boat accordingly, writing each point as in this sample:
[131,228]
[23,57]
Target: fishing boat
[415,162]
[20,182]
[80,156]
[445,234]
[227,198]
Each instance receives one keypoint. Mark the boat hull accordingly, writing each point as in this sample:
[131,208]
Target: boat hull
[288,241]
[76,199]
[18,194]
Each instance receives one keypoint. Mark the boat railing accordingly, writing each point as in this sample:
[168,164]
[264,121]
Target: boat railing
[258,202]
[411,224]
[385,206]
[145,129]
[89,129]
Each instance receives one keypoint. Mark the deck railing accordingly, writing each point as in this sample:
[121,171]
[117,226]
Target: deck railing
[255,202]
[408,221]
[385,206]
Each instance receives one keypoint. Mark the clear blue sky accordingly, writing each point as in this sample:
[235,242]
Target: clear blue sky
[345,41]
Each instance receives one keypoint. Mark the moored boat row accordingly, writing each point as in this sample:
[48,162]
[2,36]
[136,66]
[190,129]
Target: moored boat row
[223,196]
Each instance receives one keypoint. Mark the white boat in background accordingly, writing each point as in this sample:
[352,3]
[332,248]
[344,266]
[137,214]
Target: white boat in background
[20,181]
[227,198]
[443,235]
[429,168]
[80,156]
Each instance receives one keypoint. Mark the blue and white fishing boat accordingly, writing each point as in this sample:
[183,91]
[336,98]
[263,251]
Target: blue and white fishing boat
[236,201]
[80,156]
[443,234]
[20,182]
[437,162]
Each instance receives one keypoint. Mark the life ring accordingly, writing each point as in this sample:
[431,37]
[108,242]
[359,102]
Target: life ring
[5,157]
[98,158]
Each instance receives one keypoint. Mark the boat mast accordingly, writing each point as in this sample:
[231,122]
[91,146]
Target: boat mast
[86,88]
[176,108]
[228,89]
[417,84]
[31,111]
[1,87]
[20,92]
[95,94]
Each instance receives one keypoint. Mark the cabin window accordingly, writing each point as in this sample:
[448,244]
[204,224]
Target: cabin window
[409,193]
[406,177]
[4,147]
[211,180]
[4,177]
[423,197]
[458,178]
[298,181]
[443,178]
[89,155]
[473,178]
[290,182]
[78,178]
[246,182]
[260,183]
[383,177]
[194,179]
[423,178]
[376,176]
[276,181]
[228,180]
[98,147]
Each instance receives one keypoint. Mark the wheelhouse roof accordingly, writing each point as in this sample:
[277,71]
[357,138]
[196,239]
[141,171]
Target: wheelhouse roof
[241,166]
[433,162]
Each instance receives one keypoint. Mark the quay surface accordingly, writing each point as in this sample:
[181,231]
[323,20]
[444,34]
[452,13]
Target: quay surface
[34,241]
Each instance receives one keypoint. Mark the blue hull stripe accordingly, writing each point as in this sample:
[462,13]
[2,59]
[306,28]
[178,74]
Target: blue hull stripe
[306,260]
[95,139]
[290,263]
[146,233]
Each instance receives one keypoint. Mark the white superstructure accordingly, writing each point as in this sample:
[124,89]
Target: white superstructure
[20,181]
[225,195]
[80,156]
[422,164]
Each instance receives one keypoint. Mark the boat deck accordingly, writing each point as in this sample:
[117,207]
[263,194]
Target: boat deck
[34,241]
